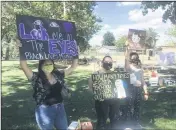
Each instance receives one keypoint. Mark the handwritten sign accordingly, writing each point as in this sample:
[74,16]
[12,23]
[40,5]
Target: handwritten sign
[136,38]
[43,38]
[110,85]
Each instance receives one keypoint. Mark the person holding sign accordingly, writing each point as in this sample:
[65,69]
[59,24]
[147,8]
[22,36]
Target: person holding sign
[133,66]
[107,107]
[48,84]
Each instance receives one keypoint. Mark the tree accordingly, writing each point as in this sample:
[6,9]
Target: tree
[151,38]
[121,41]
[86,21]
[172,31]
[168,6]
[80,12]
[171,43]
[172,34]
[108,39]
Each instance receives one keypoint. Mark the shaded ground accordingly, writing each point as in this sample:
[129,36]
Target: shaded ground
[18,105]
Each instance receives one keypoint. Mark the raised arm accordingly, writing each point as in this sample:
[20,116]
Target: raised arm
[144,84]
[127,55]
[90,83]
[71,68]
[23,64]
[27,71]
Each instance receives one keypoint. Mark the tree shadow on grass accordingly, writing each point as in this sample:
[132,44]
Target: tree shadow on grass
[18,107]
[18,110]
[17,103]
[81,104]
[161,105]
[16,66]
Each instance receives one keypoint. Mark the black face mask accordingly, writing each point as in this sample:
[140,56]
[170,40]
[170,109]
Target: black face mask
[107,66]
[135,61]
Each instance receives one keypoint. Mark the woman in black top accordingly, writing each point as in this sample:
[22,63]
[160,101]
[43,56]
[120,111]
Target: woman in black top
[108,107]
[47,84]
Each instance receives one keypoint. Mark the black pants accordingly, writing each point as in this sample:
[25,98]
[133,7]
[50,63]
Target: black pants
[134,103]
[104,109]
[124,110]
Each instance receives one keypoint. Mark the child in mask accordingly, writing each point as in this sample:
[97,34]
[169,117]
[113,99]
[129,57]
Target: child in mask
[133,66]
[47,84]
[108,107]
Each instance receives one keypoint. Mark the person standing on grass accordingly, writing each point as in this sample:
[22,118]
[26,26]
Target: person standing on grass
[108,107]
[133,66]
[48,83]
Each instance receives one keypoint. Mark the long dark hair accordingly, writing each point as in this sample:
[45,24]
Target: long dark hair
[41,74]
[107,56]
[137,62]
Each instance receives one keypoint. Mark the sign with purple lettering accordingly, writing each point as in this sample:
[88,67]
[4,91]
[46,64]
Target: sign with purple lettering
[43,38]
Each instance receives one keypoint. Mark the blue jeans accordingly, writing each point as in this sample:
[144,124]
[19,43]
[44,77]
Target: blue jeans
[48,117]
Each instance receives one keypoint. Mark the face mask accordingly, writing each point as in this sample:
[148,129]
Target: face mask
[107,66]
[135,61]
[48,68]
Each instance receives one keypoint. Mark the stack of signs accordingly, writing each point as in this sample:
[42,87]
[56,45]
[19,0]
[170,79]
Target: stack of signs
[136,38]
[43,38]
[110,85]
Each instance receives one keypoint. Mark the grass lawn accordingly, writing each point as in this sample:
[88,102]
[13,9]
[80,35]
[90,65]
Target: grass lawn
[18,105]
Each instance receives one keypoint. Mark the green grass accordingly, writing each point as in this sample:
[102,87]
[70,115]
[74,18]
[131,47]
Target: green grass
[18,105]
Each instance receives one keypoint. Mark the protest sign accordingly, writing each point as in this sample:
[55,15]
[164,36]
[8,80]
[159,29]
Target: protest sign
[136,38]
[43,38]
[110,85]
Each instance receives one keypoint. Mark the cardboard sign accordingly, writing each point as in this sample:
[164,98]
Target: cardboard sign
[110,85]
[43,38]
[136,38]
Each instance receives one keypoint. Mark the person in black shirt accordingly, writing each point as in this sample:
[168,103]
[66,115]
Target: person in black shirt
[48,83]
[108,107]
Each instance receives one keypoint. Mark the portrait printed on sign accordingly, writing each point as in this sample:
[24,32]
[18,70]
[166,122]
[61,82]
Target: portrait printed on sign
[136,38]
[43,38]
[110,85]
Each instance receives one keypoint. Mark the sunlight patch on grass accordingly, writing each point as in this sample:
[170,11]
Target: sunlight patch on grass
[163,123]
[6,91]
[20,106]
[27,87]
[73,88]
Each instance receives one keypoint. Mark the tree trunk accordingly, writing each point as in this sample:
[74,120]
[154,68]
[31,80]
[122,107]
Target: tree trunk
[1,54]
[7,54]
